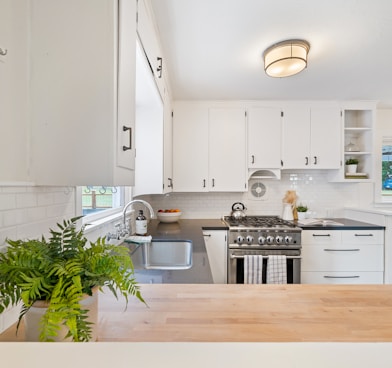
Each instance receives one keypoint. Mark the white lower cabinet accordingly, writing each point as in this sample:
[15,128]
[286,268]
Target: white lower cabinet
[216,245]
[342,257]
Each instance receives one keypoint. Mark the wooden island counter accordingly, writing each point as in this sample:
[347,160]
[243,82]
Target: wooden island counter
[246,313]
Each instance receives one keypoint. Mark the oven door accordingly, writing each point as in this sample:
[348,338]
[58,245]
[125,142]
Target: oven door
[235,269]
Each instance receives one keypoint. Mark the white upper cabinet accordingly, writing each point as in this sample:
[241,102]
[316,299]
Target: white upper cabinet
[190,147]
[227,150]
[167,144]
[149,130]
[264,138]
[311,138]
[14,92]
[83,92]
[150,41]
[209,148]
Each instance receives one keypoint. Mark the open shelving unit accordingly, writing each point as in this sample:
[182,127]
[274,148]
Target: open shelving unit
[358,125]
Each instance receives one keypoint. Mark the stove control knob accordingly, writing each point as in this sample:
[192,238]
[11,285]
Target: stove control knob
[240,239]
[249,239]
[270,239]
[279,239]
[288,239]
[261,240]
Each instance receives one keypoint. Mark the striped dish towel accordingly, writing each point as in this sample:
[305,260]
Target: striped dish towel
[253,269]
[277,269]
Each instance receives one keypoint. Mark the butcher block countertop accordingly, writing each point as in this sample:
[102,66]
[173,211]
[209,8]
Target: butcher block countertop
[246,313]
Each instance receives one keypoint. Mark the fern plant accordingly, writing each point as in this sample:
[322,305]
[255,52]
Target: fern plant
[61,271]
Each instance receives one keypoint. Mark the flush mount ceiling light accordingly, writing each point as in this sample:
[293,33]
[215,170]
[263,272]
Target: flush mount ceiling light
[286,58]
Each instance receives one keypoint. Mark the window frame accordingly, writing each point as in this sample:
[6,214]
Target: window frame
[105,215]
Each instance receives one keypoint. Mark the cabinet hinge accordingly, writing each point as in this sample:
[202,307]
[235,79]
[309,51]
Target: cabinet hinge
[282,114]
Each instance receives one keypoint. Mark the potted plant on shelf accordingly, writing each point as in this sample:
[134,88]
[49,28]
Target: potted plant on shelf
[351,165]
[60,273]
[301,210]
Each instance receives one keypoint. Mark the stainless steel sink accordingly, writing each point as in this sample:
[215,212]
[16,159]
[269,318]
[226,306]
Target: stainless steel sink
[167,255]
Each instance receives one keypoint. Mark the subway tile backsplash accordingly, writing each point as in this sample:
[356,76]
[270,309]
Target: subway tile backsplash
[28,212]
[313,189]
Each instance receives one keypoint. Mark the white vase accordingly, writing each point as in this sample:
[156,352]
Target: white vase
[33,317]
[351,169]
[287,212]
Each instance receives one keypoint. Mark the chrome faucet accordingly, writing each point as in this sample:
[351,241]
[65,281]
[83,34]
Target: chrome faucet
[141,201]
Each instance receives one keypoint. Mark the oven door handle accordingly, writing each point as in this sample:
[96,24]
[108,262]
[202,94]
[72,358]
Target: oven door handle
[233,256]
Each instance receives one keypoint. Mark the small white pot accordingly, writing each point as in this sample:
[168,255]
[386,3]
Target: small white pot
[351,169]
[32,319]
[301,215]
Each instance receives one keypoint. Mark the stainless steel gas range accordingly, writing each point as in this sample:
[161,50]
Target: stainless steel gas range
[263,235]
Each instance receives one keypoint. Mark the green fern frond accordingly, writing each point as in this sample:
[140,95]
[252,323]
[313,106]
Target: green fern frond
[60,270]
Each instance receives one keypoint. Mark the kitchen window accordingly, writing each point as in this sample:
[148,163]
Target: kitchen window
[386,170]
[98,202]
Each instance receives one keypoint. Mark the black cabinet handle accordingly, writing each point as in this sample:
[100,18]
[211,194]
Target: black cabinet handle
[316,235]
[204,183]
[363,234]
[125,128]
[253,159]
[159,68]
[306,160]
[315,160]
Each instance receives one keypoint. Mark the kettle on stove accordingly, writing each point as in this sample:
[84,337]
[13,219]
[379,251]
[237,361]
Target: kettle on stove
[238,210]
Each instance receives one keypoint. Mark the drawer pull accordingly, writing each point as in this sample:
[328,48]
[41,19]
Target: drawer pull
[341,277]
[342,250]
[363,234]
[315,235]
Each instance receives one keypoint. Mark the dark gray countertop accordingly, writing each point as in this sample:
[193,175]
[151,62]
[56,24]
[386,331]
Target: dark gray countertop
[199,273]
[348,224]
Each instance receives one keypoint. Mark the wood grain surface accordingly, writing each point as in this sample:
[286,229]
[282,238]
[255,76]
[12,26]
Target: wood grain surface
[246,313]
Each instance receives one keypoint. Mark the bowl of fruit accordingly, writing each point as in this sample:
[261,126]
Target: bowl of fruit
[167,216]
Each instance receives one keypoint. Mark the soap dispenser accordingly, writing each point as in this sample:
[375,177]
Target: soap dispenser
[141,224]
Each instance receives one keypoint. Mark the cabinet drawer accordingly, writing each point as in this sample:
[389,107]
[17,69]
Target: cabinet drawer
[342,278]
[342,258]
[315,237]
[363,237]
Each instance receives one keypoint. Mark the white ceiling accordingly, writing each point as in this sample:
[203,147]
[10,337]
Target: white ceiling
[213,48]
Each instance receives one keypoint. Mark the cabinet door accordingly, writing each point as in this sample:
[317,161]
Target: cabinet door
[77,138]
[264,138]
[216,245]
[326,135]
[126,86]
[190,147]
[227,150]
[149,39]
[149,129]
[296,138]
[167,144]
[14,92]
